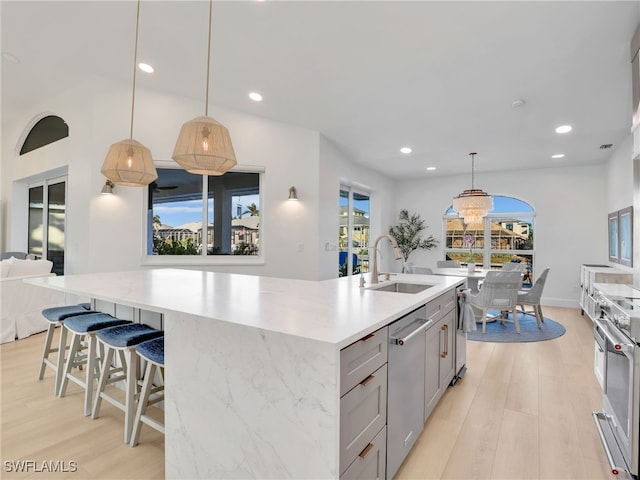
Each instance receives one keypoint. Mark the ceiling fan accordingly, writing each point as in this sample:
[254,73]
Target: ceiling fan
[157,188]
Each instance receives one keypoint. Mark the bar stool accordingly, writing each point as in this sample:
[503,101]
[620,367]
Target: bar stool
[151,351]
[83,329]
[122,339]
[56,316]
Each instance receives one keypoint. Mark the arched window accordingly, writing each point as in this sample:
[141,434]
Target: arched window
[47,130]
[505,235]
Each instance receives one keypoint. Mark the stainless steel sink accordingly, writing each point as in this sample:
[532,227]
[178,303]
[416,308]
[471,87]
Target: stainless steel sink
[401,287]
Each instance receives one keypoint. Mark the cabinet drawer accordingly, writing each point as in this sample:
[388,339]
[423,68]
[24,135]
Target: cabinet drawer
[363,412]
[360,359]
[440,306]
[371,462]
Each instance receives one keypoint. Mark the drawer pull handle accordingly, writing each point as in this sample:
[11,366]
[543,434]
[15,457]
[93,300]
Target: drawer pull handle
[368,337]
[366,380]
[366,450]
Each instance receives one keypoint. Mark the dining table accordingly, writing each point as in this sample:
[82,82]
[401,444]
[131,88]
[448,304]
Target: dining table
[473,278]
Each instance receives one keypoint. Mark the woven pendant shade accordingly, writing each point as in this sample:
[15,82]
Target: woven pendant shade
[473,204]
[204,147]
[129,163]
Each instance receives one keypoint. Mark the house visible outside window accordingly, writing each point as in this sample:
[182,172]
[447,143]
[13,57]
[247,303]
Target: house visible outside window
[195,215]
[509,228]
[353,233]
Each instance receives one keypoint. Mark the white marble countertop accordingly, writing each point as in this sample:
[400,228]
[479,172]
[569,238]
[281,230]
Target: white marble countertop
[617,289]
[336,311]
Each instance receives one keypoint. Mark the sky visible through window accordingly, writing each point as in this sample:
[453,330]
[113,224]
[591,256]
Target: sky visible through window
[180,213]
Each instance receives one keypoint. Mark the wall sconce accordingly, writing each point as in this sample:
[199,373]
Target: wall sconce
[108,188]
[293,193]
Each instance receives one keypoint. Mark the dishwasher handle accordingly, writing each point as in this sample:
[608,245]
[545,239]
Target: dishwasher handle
[423,326]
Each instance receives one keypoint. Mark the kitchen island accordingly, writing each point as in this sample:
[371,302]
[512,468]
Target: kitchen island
[253,363]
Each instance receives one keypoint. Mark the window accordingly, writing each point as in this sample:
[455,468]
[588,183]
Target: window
[181,203]
[48,130]
[46,222]
[509,228]
[353,234]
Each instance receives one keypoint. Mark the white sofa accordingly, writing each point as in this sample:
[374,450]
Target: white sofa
[21,304]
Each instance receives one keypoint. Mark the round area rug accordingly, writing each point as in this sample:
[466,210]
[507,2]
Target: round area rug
[529,331]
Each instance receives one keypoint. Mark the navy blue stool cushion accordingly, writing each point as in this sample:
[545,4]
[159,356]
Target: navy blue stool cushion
[152,350]
[128,335]
[90,322]
[56,314]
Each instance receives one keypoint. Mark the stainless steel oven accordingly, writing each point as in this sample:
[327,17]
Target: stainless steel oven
[619,422]
[599,355]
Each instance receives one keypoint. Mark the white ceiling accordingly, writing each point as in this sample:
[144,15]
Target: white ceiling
[372,76]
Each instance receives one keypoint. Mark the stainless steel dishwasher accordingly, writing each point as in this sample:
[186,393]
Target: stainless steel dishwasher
[405,393]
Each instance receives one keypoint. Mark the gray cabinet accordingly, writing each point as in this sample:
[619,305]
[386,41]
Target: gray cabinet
[440,350]
[370,463]
[447,329]
[363,406]
[440,360]
[387,391]
[361,358]
[432,389]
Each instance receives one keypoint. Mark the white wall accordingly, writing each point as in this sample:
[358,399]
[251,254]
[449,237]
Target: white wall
[106,233]
[337,169]
[620,184]
[570,224]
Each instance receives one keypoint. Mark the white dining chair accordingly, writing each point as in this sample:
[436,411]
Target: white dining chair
[531,297]
[514,267]
[422,270]
[499,292]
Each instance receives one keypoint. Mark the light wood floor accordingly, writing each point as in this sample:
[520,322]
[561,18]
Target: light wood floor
[522,411]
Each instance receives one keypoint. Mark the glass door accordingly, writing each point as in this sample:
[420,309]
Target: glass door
[353,234]
[47,222]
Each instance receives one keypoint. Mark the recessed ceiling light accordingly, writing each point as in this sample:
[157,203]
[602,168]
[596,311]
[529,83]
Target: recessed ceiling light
[431,168]
[145,67]
[255,96]
[10,58]
[405,150]
[557,155]
[564,129]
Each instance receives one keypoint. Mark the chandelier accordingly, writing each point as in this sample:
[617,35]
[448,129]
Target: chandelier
[473,204]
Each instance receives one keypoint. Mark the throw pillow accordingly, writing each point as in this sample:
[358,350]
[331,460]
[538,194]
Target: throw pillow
[5,268]
[21,268]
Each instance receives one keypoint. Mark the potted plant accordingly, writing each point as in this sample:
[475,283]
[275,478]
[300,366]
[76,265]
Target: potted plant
[408,235]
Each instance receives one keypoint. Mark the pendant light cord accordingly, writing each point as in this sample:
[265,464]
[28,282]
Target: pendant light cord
[206,105]
[473,156]
[135,60]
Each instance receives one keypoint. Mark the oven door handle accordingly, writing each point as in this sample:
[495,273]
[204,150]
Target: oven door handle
[615,458]
[618,344]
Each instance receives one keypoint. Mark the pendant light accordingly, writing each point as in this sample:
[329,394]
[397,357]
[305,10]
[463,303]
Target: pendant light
[473,204]
[204,145]
[128,162]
